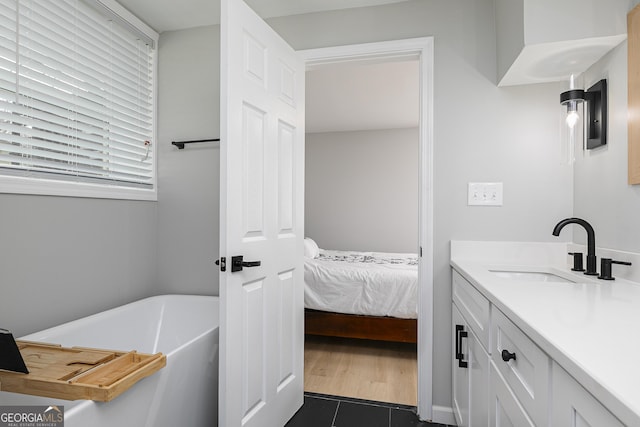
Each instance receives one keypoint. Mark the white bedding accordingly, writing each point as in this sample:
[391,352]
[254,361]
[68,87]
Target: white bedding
[370,283]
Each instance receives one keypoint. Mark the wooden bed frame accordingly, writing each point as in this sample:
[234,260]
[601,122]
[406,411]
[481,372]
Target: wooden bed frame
[357,326]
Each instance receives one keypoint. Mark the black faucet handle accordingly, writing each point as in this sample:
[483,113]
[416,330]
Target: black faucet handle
[605,268]
[577,261]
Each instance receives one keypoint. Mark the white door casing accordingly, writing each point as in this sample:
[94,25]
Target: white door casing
[261,218]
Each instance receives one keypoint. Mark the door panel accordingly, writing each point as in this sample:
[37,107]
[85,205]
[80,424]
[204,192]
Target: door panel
[573,406]
[261,218]
[286,173]
[253,182]
[504,408]
[460,373]
[286,330]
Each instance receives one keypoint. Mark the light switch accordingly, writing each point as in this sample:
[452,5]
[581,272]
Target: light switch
[485,194]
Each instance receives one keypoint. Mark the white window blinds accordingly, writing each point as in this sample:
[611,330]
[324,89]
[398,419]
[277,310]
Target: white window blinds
[76,95]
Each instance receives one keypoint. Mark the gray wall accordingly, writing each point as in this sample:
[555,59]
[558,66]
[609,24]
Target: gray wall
[62,258]
[188,180]
[481,133]
[361,190]
[602,195]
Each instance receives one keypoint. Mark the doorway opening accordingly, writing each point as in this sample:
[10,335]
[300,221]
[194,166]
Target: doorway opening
[361,207]
[367,358]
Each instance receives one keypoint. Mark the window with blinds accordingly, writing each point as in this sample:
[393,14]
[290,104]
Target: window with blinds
[76,96]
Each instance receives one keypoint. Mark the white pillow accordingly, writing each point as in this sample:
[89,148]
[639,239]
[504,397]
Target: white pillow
[311,249]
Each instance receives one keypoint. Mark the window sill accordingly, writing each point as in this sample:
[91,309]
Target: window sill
[50,187]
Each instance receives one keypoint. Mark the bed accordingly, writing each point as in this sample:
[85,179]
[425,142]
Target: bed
[369,295]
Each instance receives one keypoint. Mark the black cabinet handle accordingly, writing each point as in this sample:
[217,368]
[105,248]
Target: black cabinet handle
[506,355]
[237,263]
[460,333]
[459,329]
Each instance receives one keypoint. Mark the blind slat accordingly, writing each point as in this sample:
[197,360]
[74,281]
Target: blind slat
[42,165]
[23,153]
[37,72]
[102,63]
[55,52]
[48,112]
[89,140]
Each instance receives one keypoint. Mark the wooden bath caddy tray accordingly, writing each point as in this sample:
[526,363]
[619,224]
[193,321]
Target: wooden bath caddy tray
[78,373]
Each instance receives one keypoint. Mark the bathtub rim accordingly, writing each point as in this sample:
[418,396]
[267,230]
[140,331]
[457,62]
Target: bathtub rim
[31,336]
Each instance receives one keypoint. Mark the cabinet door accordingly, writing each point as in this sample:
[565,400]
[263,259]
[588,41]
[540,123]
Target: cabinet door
[473,306]
[524,367]
[573,406]
[460,371]
[504,408]
[470,375]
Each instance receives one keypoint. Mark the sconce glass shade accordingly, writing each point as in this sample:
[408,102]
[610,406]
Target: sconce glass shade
[584,118]
[571,126]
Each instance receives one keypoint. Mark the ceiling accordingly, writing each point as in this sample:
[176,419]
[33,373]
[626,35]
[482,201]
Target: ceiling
[168,15]
[362,96]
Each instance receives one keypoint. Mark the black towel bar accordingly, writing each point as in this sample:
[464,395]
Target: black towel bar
[180,144]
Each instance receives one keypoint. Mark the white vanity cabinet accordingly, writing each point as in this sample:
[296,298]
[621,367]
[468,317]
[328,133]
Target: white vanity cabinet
[503,378]
[560,351]
[470,321]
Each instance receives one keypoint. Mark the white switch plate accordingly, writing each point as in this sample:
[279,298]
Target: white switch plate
[485,194]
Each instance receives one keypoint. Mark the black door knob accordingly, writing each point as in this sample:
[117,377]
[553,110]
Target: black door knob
[238,263]
[506,355]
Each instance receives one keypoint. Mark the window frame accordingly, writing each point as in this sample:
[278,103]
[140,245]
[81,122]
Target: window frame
[39,183]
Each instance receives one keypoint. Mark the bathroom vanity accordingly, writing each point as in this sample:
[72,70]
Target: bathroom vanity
[535,344]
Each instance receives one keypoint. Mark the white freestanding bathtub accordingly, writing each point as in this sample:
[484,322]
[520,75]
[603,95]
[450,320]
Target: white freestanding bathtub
[183,393]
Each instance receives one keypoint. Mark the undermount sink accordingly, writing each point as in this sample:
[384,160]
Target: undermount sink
[531,276]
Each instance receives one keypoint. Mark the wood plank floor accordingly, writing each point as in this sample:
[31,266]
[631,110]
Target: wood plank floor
[372,370]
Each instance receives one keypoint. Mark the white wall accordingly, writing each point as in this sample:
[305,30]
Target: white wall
[602,195]
[361,190]
[188,180]
[481,133]
[62,258]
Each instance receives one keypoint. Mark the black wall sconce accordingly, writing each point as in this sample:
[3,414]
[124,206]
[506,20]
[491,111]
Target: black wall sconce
[594,100]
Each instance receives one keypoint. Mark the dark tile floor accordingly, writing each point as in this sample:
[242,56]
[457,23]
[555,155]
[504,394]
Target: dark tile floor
[321,410]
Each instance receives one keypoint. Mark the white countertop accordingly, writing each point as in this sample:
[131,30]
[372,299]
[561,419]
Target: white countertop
[589,328]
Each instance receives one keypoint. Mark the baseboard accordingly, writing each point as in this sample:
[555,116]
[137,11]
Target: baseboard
[443,415]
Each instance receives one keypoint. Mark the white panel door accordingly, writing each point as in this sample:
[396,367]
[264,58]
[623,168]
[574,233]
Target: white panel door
[261,218]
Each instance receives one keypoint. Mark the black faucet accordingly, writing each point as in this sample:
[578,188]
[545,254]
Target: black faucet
[591,241]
